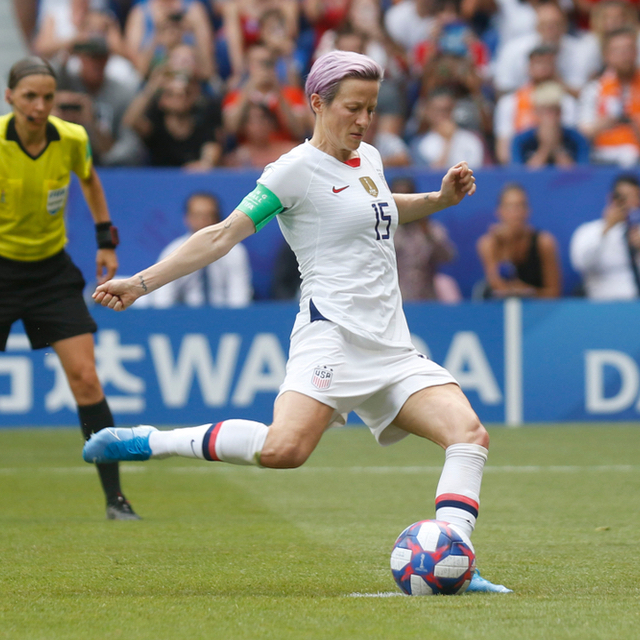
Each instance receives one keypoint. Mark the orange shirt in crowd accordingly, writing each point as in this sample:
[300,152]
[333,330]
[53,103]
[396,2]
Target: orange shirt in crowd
[294,96]
[610,92]
[524,116]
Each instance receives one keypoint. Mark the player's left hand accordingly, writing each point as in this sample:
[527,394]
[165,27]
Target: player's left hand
[106,265]
[457,183]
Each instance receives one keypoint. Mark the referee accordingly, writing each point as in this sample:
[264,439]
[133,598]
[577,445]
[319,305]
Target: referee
[39,284]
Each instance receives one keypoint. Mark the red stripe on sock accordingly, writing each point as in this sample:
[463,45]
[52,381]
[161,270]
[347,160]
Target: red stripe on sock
[459,498]
[212,442]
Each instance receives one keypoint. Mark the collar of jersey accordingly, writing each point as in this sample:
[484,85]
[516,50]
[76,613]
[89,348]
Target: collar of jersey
[352,162]
[51,133]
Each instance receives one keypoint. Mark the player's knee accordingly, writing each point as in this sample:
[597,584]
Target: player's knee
[468,430]
[287,455]
[475,433]
[481,436]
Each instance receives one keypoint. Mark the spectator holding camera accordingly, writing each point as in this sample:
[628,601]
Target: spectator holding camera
[445,67]
[87,96]
[517,259]
[290,61]
[606,252]
[450,34]
[610,105]
[286,102]
[154,27]
[243,25]
[179,126]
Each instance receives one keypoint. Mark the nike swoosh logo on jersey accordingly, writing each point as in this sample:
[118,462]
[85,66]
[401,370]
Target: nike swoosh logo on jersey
[340,189]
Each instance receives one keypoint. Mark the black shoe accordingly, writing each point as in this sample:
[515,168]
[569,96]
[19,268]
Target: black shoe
[120,509]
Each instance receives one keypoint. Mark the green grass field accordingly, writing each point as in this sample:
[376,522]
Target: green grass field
[237,552]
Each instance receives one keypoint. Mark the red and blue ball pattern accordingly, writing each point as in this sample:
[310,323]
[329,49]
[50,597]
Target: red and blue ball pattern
[430,557]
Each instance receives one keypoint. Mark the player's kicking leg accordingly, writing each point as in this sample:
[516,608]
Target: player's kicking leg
[298,425]
[235,441]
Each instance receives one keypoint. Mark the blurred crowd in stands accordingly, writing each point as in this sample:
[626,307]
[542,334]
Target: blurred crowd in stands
[532,82]
[201,84]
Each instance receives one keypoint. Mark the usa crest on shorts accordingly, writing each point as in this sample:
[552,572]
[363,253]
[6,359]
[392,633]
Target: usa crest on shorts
[322,377]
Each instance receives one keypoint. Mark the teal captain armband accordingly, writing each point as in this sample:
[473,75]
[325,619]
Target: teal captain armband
[261,205]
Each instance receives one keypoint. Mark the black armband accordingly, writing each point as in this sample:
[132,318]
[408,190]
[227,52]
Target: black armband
[107,235]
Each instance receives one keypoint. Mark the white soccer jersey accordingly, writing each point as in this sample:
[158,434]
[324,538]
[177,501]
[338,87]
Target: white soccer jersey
[340,220]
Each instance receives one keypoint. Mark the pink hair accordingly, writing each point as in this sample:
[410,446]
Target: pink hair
[331,68]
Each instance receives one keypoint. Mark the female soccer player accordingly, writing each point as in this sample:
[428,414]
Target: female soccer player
[39,284]
[350,345]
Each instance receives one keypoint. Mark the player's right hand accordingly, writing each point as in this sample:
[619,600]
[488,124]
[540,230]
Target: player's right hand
[117,294]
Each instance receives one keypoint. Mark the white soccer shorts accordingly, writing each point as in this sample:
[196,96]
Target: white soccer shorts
[350,373]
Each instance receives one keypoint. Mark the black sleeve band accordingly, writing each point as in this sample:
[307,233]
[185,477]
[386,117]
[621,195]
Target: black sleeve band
[107,235]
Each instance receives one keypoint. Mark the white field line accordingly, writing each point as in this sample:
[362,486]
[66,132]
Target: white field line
[422,470]
[415,470]
[385,594]
[76,471]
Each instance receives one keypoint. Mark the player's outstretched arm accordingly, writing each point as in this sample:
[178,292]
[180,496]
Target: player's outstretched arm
[202,248]
[457,183]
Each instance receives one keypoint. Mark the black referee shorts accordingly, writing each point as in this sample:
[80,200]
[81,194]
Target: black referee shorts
[47,296]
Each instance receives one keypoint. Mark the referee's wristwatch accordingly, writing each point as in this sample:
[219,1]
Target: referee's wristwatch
[107,235]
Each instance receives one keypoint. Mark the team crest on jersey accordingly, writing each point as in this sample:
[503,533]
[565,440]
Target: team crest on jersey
[322,377]
[369,186]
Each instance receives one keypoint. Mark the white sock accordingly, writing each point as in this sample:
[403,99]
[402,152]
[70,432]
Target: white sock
[186,442]
[233,441]
[236,441]
[458,492]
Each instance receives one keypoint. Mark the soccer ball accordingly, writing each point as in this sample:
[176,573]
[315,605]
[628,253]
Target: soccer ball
[431,557]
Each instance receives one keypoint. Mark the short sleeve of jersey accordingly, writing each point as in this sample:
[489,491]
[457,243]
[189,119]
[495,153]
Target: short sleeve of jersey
[288,178]
[81,157]
[282,185]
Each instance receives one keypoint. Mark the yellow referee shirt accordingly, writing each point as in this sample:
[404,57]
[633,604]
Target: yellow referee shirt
[33,190]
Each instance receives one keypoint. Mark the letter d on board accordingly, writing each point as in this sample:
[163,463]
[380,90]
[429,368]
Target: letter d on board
[595,393]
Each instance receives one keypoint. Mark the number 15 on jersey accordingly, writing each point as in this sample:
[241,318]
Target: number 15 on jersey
[382,219]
